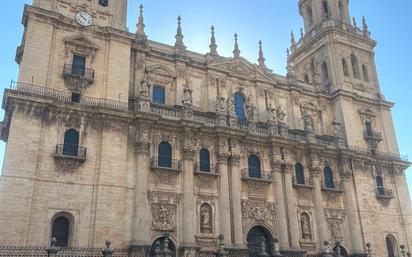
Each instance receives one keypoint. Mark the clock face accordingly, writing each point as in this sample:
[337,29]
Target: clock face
[84,19]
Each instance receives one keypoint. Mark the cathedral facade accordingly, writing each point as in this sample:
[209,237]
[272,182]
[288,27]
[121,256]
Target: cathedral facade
[111,135]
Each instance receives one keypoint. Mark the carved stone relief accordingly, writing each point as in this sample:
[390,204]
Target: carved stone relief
[255,211]
[163,217]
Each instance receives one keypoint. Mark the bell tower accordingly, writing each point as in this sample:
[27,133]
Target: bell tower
[105,13]
[333,52]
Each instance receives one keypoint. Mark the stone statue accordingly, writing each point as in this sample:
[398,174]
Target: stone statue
[337,128]
[144,86]
[281,115]
[220,102]
[308,121]
[250,109]
[271,114]
[304,222]
[231,104]
[205,221]
[187,96]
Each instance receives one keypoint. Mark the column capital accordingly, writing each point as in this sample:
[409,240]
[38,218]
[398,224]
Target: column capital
[142,147]
[315,171]
[188,153]
[277,165]
[235,160]
[222,157]
[288,167]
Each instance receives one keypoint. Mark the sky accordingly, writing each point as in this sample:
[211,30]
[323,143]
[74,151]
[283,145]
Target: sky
[268,20]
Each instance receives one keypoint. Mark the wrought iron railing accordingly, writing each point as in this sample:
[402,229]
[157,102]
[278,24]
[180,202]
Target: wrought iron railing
[337,186]
[77,71]
[67,96]
[308,182]
[66,150]
[205,168]
[384,193]
[379,154]
[260,175]
[372,135]
[166,163]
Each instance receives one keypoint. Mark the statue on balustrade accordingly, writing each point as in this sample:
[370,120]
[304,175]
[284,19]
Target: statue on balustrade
[220,102]
[187,95]
[308,121]
[250,109]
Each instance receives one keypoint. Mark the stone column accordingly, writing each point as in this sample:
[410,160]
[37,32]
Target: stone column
[140,230]
[224,203]
[280,205]
[319,211]
[291,207]
[236,191]
[189,224]
[352,209]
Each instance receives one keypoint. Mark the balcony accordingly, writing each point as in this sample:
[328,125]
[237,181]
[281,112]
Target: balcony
[202,169]
[78,72]
[308,183]
[69,157]
[383,193]
[372,137]
[265,176]
[77,79]
[337,187]
[164,164]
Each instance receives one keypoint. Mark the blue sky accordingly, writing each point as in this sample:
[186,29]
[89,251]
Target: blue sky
[266,20]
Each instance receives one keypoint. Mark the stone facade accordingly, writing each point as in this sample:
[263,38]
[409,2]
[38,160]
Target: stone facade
[328,113]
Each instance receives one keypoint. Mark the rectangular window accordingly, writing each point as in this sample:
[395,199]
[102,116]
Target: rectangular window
[78,65]
[104,2]
[158,95]
[368,127]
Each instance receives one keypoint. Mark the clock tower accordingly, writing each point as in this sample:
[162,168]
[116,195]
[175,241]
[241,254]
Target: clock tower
[79,45]
[112,13]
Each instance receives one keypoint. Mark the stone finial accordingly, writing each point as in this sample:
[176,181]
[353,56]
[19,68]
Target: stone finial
[213,45]
[140,34]
[292,39]
[53,249]
[179,35]
[365,27]
[368,250]
[221,251]
[276,248]
[326,250]
[261,59]
[262,248]
[236,52]
[140,23]
[355,25]
[403,251]
[108,252]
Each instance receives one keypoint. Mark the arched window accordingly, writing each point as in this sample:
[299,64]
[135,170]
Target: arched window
[254,239]
[71,143]
[299,174]
[328,177]
[104,2]
[391,246]
[161,243]
[61,230]
[365,73]
[379,185]
[240,106]
[345,67]
[325,72]
[254,167]
[355,66]
[165,155]
[204,160]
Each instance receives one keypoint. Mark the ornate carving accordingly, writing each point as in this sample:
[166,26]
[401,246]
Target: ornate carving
[163,217]
[305,226]
[257,187]
[164,176]
[258,211]
[308,121]
[220,102]
[250,109]
[335,219]
[68,164]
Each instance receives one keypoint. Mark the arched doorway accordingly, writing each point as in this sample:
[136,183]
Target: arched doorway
[254,239]
[342,249]
[161,242]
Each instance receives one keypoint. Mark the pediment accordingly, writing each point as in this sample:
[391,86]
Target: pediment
[240,67]
[161,69]
[80,41]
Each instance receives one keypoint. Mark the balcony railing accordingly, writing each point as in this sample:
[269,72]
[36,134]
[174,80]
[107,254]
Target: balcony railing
[167,164]
[70,151]
[80,72]
[65,96]
[379,154]
[338,186]
[264,176]
[384,193]
[372,135]
[308,182]
[206,169]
